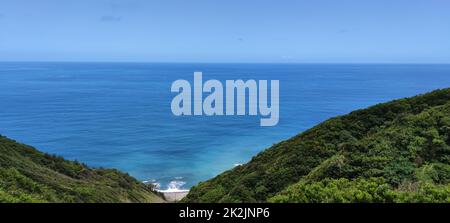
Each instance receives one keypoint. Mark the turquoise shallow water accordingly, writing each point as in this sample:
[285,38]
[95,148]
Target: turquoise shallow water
[118,114]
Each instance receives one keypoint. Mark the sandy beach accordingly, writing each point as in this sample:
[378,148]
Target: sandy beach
[174,196]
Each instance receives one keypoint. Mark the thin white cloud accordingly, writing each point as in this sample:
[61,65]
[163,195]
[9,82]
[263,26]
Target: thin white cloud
[110,18]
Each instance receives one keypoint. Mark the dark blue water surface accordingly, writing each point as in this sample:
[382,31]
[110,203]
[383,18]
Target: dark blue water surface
[118,114]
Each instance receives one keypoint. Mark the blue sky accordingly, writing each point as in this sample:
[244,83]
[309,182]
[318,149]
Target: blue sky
[283,31]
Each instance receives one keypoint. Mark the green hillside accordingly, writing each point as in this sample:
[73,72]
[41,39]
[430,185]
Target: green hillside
[27,175]
[392,152]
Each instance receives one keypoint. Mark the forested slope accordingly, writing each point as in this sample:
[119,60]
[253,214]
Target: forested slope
[27,175]
[393,152]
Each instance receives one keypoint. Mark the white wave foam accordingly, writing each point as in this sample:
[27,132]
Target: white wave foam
[174,186]
[149,181]
[153,182]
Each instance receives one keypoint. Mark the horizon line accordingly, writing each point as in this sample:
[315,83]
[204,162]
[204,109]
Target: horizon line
[225,62]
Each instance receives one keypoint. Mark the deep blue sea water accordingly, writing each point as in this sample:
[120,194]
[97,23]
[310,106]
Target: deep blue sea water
[118,114]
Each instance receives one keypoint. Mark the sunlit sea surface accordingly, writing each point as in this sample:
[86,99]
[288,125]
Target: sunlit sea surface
[118,115]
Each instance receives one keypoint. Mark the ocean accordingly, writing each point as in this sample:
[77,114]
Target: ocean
[118,115]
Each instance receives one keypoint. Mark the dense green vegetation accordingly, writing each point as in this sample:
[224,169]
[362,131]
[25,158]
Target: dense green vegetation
[27,175]
[392,152]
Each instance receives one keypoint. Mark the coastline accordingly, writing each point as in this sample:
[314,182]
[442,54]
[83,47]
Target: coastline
[173,195]
[174,191]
